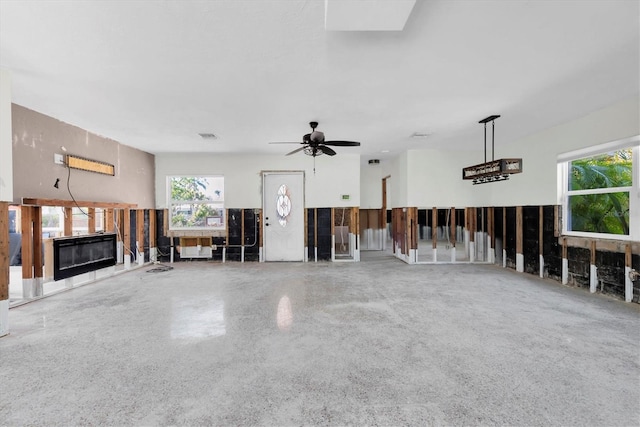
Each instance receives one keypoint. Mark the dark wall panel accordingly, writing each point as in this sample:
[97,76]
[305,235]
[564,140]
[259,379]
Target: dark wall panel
[579,266]
[145,244]
[131,245]
[216,254]
[531,239]
[324,234]
[163,242]
[610,272]
[311,234]
[551,249]
[251,235]
[422,223]
[510,244]
[234,237]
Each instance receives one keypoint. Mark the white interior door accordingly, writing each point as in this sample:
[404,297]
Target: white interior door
[283,212]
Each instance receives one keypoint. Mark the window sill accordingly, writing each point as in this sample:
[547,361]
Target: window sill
[197,233]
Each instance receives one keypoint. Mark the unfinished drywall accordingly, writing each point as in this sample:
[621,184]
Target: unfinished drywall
[6,166]
[37,137]
[334,176]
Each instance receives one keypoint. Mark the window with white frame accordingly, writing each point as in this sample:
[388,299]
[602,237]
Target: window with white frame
[196,202]
[599,190]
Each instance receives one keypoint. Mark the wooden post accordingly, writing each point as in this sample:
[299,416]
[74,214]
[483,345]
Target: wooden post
[541,240]
[491,220]
[434,228]
[36,218]
[153,247]
[242,235]
[109,225]
[91,220]
[315,227]
[356,232]
[315,234]
[452,236]
[68,221]
[565,262]
[412,233]
[628,284]
[140,236]
[260,229]
[472,234]
[519,241]
[4,251]
[27,242]
[556,221]
[126,236]
[504,236]
[333,234]
[593,273]
[383,210]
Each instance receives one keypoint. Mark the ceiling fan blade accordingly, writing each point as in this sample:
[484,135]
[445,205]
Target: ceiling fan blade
[290,142]
[342,143]
[326,150]
[296,150]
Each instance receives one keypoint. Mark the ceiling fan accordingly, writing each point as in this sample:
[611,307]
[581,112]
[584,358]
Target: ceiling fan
[313,144]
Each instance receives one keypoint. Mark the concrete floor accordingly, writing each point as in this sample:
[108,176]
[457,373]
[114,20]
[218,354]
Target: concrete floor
[378,342]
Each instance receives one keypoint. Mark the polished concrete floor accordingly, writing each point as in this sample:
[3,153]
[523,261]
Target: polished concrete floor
[378,342]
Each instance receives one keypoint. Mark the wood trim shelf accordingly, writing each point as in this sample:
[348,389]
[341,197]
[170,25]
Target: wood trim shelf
[28,201]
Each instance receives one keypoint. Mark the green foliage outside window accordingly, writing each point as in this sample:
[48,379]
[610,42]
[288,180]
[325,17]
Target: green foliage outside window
[195,202]
[601,212]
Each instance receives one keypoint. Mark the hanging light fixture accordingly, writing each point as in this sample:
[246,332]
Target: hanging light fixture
[495,170]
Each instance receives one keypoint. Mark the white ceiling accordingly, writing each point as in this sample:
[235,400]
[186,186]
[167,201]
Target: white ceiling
[154,74]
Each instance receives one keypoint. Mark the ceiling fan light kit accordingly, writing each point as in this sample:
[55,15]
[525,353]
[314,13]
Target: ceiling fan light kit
[495,170]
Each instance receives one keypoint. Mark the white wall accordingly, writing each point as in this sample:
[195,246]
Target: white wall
[537,184]
[334,176]
[371,186]
[6,159]
[435,178]
[397,184]
[427,178]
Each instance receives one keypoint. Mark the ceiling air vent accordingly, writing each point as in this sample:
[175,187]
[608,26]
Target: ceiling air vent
[208,135]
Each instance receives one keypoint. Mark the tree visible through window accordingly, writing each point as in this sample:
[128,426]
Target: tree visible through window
[196,202]
[599,189]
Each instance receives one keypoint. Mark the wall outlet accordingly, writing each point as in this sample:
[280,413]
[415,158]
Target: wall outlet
[58,159]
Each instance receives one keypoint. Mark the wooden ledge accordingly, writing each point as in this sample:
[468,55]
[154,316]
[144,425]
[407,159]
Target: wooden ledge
[608,245]
[71,204]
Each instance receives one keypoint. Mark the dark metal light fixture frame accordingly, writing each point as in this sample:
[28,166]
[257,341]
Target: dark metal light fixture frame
[495,170]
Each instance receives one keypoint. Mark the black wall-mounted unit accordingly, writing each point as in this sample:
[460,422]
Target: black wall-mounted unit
[77,255]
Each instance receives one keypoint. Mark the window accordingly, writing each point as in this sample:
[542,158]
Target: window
[600,191]
[196,202]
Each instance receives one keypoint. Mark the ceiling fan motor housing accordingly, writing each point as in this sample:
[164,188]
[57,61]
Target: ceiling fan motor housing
[317,136]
